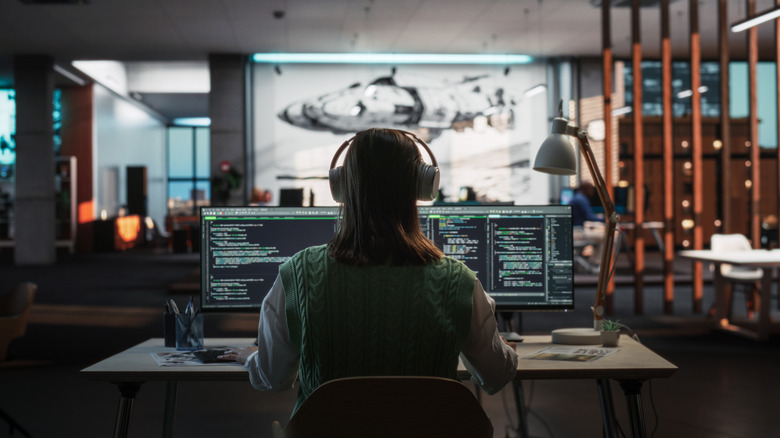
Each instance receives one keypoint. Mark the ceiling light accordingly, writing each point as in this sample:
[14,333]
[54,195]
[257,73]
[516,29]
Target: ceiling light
[755,21]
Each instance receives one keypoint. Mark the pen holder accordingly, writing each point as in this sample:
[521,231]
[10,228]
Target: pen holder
[169,329]
[189,332]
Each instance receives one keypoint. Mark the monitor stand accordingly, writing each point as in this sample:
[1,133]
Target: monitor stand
[510,331]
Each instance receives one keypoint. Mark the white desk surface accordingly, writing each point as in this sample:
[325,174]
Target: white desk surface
[137,365]
[631,361]
[756,257]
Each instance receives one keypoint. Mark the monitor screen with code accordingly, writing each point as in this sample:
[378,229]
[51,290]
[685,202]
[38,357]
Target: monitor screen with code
[522,255]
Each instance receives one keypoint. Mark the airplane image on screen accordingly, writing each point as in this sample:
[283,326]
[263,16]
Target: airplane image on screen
[385,103]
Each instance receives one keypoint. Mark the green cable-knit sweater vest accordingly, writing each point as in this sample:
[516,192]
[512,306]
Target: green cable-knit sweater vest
[375,320]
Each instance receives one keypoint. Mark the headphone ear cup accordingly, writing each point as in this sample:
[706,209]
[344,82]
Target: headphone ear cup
[428,182]
[335,179]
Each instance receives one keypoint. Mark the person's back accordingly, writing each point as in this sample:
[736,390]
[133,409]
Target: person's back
[581,206]
[380,298]
[379,320]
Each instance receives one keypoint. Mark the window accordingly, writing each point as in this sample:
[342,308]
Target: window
[652,104]
[188,169]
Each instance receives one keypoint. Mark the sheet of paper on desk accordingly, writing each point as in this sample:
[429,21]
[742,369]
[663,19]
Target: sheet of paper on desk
[571,354]
[186,358]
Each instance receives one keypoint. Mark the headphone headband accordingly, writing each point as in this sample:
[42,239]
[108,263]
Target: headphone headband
[427,175]
[344,145]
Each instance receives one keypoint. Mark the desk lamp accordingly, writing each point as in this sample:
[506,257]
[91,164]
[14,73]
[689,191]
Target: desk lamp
[557,156]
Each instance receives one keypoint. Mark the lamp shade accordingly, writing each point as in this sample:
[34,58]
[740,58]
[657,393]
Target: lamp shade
[556,156]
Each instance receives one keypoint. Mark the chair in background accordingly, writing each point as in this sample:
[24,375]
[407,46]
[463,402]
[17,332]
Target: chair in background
[391,406]
[738,275]
[14,311]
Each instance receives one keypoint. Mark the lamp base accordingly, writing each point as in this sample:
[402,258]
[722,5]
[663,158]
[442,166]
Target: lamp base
[576,336]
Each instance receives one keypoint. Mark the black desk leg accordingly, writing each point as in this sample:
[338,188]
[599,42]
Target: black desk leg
[127,393]
[13,425]
[171,397]
[633,391]
[522,411]
[607,408]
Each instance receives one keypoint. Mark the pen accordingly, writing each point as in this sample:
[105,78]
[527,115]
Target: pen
[174,307]
[188,309]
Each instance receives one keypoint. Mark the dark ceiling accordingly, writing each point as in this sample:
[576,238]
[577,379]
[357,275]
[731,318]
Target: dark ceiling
[178,30]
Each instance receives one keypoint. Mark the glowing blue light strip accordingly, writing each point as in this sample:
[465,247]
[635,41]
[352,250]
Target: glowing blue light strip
[388,58]
[192,121]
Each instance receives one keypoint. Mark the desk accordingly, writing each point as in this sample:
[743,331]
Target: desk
[654,227]
[630,366]
[134,366]
[769,261]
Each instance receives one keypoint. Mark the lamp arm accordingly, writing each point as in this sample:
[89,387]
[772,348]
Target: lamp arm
[610,219]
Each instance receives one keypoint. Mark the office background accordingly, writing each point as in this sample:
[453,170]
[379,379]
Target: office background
[161,61]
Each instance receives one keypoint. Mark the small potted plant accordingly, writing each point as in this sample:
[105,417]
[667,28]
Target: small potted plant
[610,333]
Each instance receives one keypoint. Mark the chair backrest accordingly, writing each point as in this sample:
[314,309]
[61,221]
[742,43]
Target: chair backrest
[14,311]
[393,406]
[732,243]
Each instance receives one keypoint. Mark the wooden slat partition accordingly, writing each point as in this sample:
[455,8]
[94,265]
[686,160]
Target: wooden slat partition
[668,158]
[777,100]
[755,167]
[696,143]
[639,179]
[727,225]
[606,73]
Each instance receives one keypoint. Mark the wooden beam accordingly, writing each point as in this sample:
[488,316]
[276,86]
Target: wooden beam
[607,73]
[668,158]
[639,162]
[777,100]
[727,225]
[755,149]
[696,143]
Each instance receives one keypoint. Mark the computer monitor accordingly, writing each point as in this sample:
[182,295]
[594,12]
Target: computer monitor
[567,194]
[242,248]
[522,254]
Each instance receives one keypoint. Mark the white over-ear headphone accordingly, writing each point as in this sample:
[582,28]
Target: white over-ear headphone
[427,174]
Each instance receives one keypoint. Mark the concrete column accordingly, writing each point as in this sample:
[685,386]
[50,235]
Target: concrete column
[35,205]
[228,112]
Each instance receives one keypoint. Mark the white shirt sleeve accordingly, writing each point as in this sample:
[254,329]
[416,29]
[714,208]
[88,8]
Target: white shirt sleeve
[491,362]
[274,367]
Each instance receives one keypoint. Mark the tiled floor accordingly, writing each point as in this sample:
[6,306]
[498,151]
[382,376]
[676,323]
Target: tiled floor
[91,306]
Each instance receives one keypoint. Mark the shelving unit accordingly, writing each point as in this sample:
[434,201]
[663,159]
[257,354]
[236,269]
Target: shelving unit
[66,218]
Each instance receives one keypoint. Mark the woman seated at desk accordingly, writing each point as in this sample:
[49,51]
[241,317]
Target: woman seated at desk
[380,299]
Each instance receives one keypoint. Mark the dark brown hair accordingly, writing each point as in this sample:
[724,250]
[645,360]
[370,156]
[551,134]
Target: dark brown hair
[379,222]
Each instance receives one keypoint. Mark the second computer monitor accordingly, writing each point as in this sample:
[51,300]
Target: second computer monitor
[522,254]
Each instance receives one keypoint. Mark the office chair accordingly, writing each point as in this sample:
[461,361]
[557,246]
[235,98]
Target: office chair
[14,311]
[389,406]
[737,275]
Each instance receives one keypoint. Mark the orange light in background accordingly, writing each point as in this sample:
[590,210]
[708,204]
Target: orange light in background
[86,212]
[128,227]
